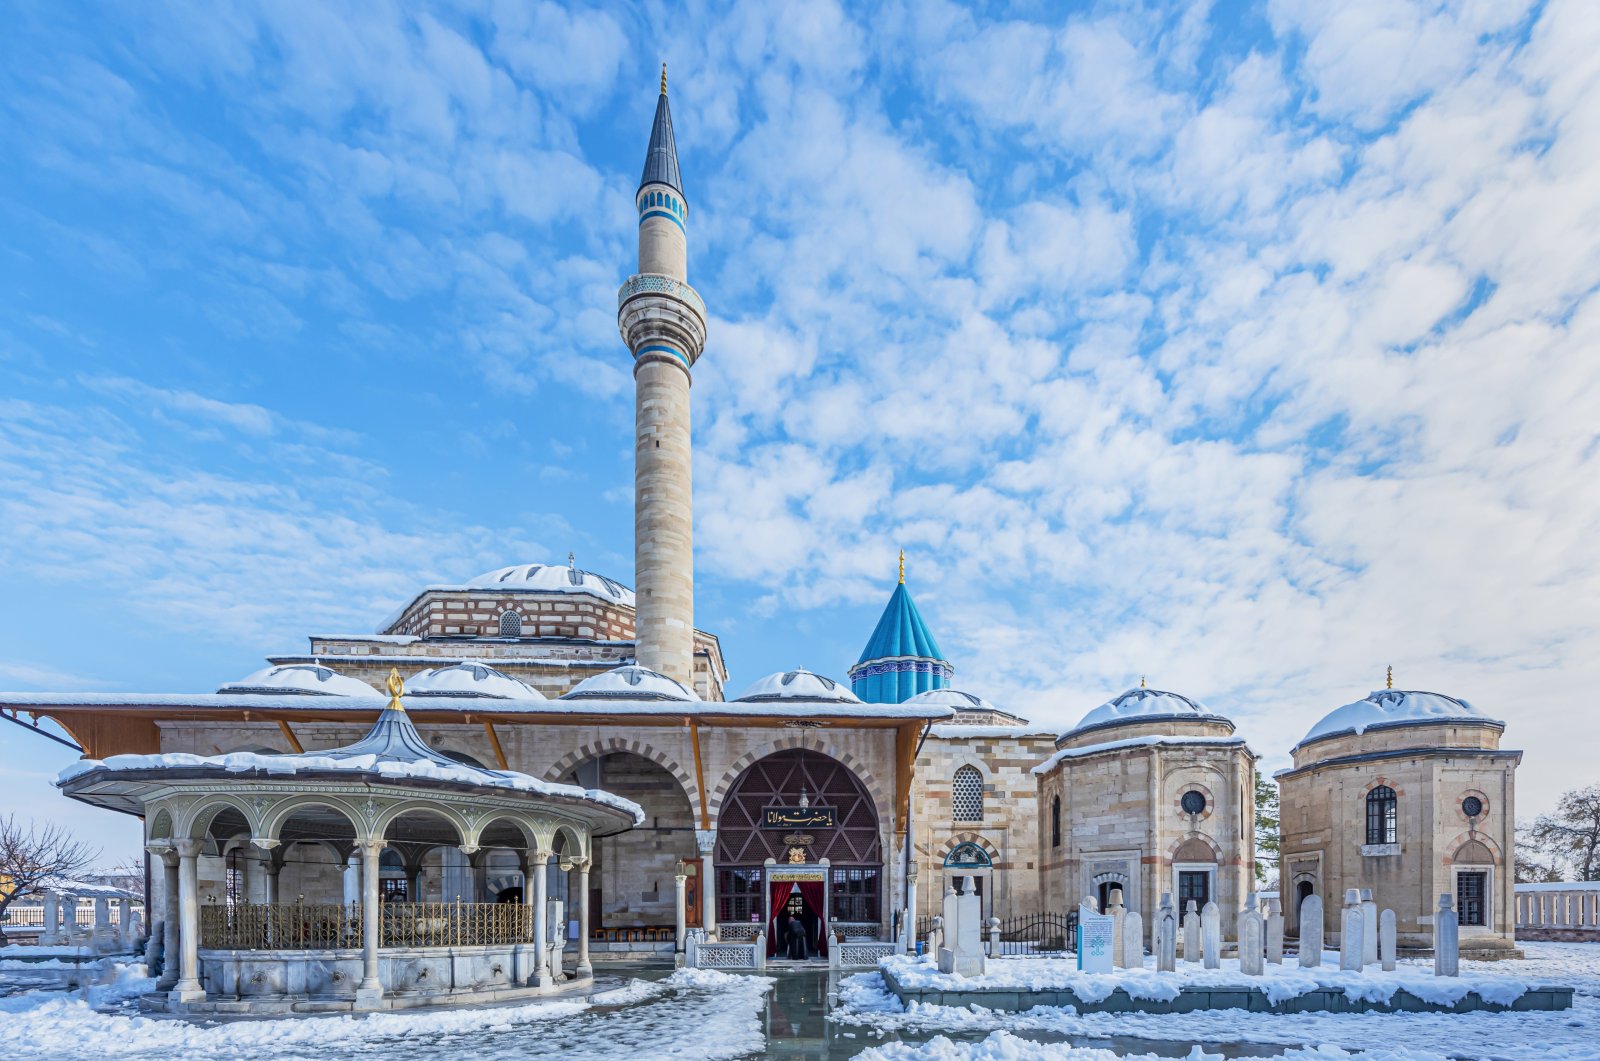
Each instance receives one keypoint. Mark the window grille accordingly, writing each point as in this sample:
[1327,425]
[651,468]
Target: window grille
[855,893]
[511,624]
[966,795]
[739,894]
[1055,821]
[1382,816]
[1470,894]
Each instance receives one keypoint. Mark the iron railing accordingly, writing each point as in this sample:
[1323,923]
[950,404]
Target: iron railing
[1028,935]
[317,926]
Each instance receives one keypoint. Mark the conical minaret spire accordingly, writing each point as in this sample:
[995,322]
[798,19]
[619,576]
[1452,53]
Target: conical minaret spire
[663,321]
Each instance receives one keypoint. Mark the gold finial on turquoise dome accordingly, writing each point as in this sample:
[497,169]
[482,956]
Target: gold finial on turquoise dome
[1141,681]
[902,567]
[1388,681]
[663,79]
[396,686]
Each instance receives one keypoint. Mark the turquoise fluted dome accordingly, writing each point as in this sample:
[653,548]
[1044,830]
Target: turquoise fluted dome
[901,658]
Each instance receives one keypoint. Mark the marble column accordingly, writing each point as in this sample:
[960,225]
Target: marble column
[585,970]
[370,993]
[351,879]
[188,988]
[678,881]
[169,914]
[52,920]
[706,844]
[541,917]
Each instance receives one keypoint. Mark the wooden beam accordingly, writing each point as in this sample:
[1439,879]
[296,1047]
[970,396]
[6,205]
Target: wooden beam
[700,775]
[494,742]
[288,735]
[906,739]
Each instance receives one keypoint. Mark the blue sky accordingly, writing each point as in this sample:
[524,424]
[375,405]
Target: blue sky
[1247,346]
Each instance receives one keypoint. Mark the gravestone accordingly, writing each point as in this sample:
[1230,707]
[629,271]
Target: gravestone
[1211,936]
[1132,940]
[1094,940]
[1191,933]
[1274,932]
[963,951]
[935,937]
[1251,935]
[1351,935]
[1446,939]
[1311,932]
[1118,913]
[1386,940]
[1166,935]
[1369,928]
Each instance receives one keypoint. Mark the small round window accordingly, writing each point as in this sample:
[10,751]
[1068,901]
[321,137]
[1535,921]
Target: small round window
[1193,802]
[1472,806]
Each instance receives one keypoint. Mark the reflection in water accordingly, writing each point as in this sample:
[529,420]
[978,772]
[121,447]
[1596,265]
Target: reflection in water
[797,1026]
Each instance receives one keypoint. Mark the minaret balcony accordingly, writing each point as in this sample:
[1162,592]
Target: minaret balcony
[656,284]
[653,309]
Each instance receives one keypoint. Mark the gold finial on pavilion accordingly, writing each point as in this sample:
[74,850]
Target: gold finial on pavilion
[1389,678]
[902,567]
[663,79]
[396,686]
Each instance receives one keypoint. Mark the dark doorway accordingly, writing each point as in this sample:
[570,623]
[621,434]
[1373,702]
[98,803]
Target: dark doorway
[1104,894]
[1194,885]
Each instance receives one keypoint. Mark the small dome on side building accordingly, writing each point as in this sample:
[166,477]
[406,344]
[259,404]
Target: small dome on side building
[299,679]
[798,684]
[631,682]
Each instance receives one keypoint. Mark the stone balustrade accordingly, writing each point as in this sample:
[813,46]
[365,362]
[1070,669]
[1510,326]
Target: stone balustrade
[1559,911]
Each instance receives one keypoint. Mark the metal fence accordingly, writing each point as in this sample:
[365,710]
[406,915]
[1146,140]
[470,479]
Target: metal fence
[1028,935]
[317,926]
[82,915]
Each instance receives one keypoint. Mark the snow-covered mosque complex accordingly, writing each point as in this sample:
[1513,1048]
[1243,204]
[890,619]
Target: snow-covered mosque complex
[550,732]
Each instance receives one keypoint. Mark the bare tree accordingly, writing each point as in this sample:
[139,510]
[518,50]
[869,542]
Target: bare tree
[1572,833]
[129,876]
[1532,866]
[33,856]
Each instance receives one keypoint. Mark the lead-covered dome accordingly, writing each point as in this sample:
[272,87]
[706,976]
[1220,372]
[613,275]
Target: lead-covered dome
[970,708]
[798,684]
[552,578]
[299,679]
[1395,707]
[470,679]
[631,682]
[1142,705]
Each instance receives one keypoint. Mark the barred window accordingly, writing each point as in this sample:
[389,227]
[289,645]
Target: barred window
[511,624]
[966,795]
[855,893]
[739,894]
[1383,816]
[1055,821]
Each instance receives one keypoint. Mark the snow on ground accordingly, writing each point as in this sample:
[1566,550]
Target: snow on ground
[689,1015]
[1567,1035]
[1280,982]
[1003,1046]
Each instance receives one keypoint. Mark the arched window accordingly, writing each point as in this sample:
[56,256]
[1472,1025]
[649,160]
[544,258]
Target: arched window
[511,624]
[966,795]
[1383,826]
[1055,821]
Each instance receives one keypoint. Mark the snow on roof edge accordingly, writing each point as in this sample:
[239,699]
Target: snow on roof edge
[1132,742]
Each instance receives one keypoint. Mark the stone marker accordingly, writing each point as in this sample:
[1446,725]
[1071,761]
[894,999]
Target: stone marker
[1351,923]
[1386,940]
[935,937]
[1211,936]
[963,952]
[1191,933]
[1274,932]
[1094,940]
[1311,932]
[1166,935]
[1251,934]
[1132,940]
[1446,939]
[1118,912]
[1369,928]
[994,937]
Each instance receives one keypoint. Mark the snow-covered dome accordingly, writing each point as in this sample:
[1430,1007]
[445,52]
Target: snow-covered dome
[1395,707]
[300,679]
[1141,705]
[552,578]
[798,684]
[630,683]
[953,698]
[470,679]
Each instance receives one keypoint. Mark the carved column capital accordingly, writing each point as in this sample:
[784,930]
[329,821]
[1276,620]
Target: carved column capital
[188,848]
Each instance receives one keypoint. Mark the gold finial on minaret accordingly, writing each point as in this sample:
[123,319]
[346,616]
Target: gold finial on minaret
[902,567]
[663,79]
[1389,678]
[396,685]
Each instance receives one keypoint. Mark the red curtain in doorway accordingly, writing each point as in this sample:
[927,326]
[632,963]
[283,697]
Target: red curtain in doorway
[812,892]
[777,895]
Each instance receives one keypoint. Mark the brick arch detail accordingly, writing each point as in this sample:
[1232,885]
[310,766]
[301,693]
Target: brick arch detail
[882,799]
[1216,849]
[1463,839]
[1381,780]
[955,840]
[609,745]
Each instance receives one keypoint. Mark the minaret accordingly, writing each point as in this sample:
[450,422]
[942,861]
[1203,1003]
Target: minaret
[663,321]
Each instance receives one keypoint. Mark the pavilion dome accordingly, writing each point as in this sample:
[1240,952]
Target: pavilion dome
[631,682]
[299,679]
[1145,705]
[970,708]
[1395,707]
[798,684]
[552,578]
[470,679]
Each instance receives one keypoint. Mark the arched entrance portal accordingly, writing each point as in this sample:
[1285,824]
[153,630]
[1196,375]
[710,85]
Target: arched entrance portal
[812,817]
[631,882]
